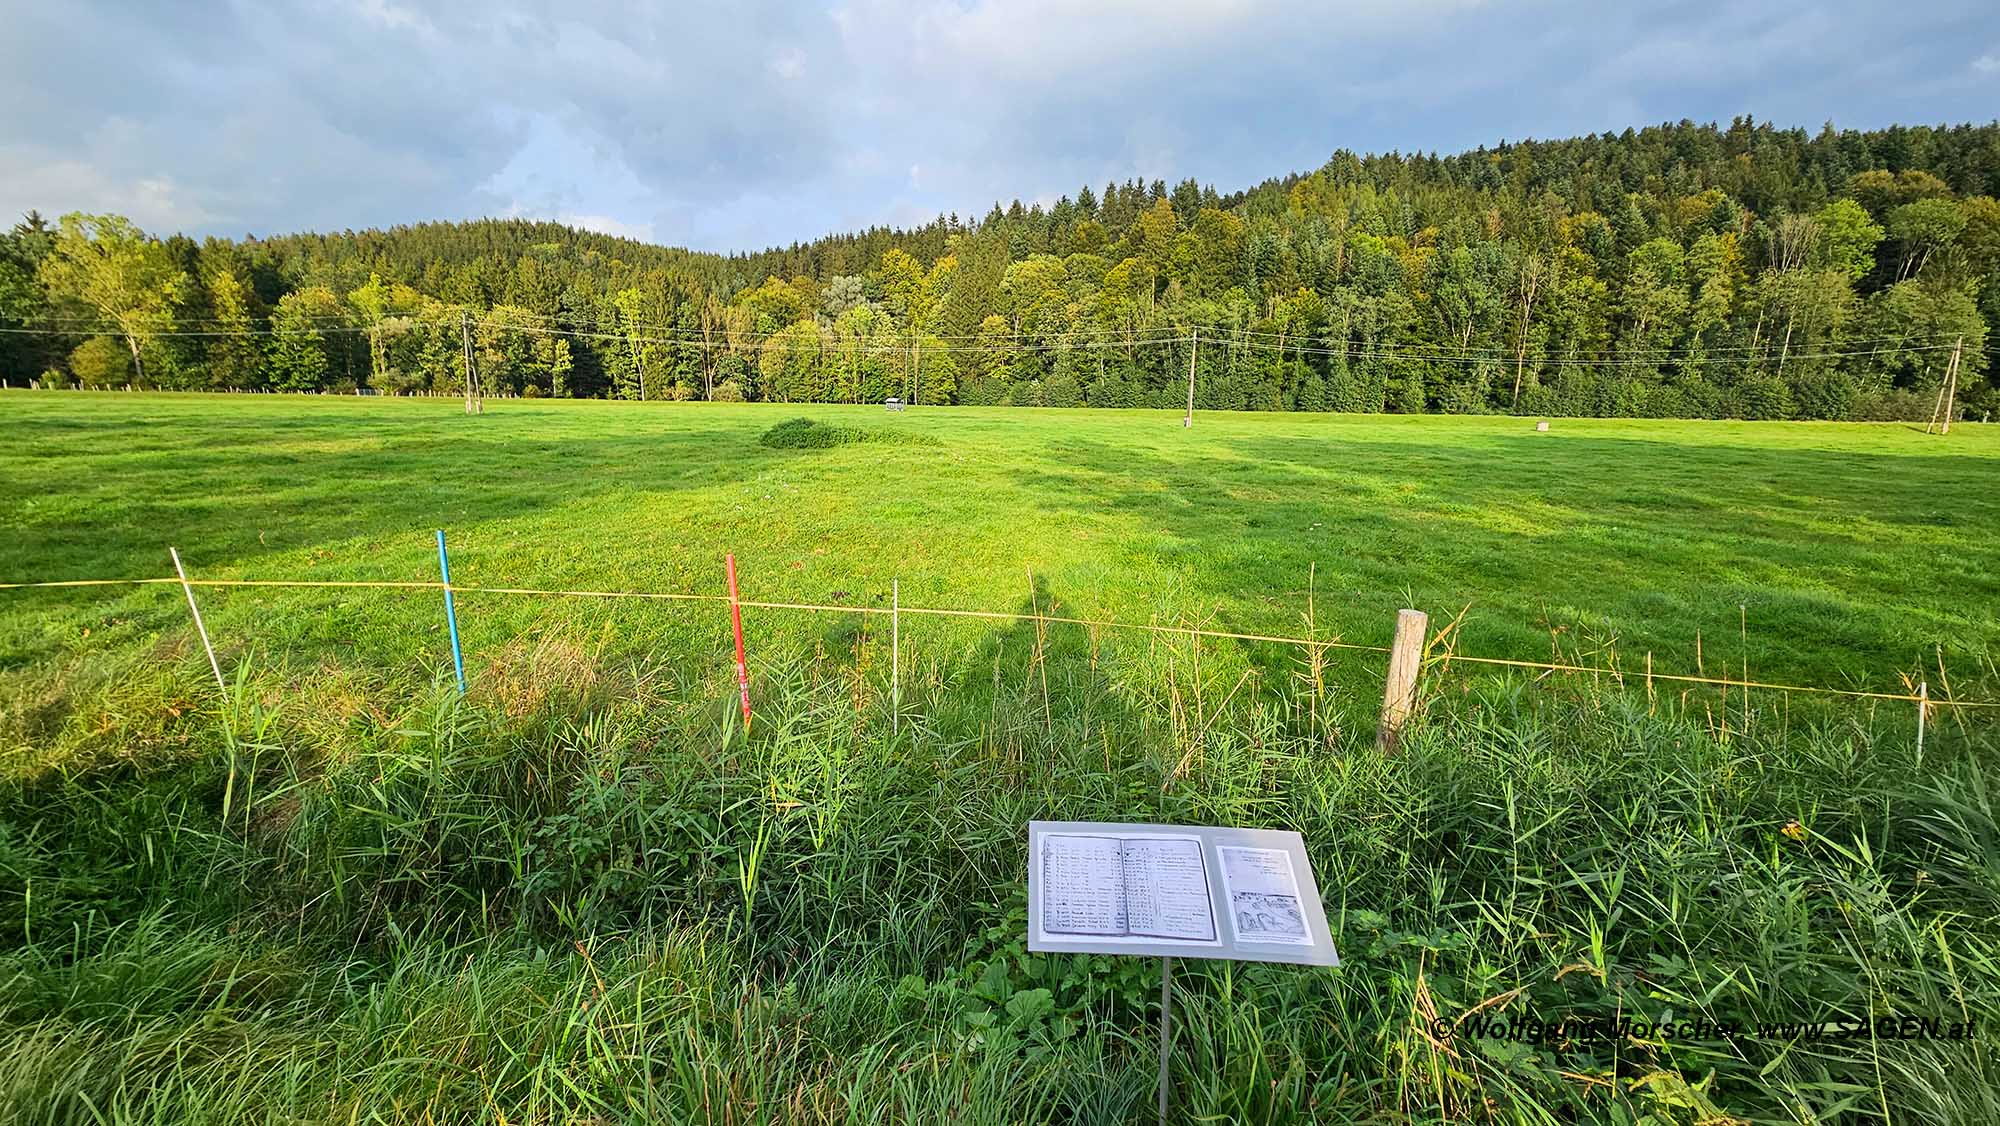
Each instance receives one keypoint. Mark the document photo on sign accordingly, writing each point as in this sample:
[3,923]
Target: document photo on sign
[1263,894]
[1097,886]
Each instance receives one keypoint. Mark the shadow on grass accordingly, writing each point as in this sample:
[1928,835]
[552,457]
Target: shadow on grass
[242,487]
[1819,565]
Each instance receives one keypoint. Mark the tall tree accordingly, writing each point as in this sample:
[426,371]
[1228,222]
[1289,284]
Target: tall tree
[915,294]
[1531,275]
[24,302]
[301,356]
[234,359]
[105,264]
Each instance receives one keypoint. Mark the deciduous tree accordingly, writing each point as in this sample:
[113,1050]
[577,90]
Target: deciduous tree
[106,265]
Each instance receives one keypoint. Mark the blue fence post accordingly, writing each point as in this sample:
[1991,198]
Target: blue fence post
[451,613]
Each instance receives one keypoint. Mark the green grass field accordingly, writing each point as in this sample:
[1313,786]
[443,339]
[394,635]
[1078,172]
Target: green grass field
[581,894]
[1829,554]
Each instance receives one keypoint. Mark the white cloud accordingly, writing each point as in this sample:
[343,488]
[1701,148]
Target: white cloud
[607,225]
[54,184]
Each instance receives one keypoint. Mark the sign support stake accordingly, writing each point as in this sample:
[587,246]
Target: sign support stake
[1174,892]
[1166,1033]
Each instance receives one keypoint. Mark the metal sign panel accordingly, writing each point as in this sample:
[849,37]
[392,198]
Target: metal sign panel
[1176,891]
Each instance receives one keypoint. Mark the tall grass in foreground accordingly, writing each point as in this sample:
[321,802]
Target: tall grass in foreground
[557,903]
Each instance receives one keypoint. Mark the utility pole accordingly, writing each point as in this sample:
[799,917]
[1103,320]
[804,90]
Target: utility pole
[1194,346]
[1947,392]
[1951,386]
[475,403]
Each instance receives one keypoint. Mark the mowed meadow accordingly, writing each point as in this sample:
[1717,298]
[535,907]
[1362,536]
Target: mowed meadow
[1832,554]
[339,891]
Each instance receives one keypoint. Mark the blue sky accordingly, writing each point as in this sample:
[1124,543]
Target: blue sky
[737,126]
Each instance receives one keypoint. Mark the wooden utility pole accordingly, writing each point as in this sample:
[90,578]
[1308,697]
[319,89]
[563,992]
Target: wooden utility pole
[1399,693]
[1951,386]
[1947,392]
[1194,347]
[475,403]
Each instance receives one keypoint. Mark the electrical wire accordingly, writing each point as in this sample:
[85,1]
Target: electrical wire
[932,345]
[999,615]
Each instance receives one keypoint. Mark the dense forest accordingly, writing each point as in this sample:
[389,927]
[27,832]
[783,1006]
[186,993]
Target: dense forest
[1682,270]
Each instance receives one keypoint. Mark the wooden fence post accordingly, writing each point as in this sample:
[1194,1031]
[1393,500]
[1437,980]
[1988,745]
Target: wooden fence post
[1399,692]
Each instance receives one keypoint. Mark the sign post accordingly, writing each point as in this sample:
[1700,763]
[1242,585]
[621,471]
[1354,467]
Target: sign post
[1174,891]
[1166,1033]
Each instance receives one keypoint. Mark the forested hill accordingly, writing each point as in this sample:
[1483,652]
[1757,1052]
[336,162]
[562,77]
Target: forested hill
[1687,269]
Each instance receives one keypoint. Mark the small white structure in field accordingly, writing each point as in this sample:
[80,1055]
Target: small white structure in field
[892,404]
[1541,427]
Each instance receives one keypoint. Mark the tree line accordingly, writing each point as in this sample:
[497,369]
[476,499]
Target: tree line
[1684,270]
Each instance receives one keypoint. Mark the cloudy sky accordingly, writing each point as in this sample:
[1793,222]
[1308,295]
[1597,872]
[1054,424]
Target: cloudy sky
[739,125]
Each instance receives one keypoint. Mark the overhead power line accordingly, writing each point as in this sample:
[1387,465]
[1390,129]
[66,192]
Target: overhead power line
[662,333]
[888,344]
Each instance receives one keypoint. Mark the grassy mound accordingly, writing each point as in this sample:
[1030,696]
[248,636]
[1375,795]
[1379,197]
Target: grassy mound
[807,434]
